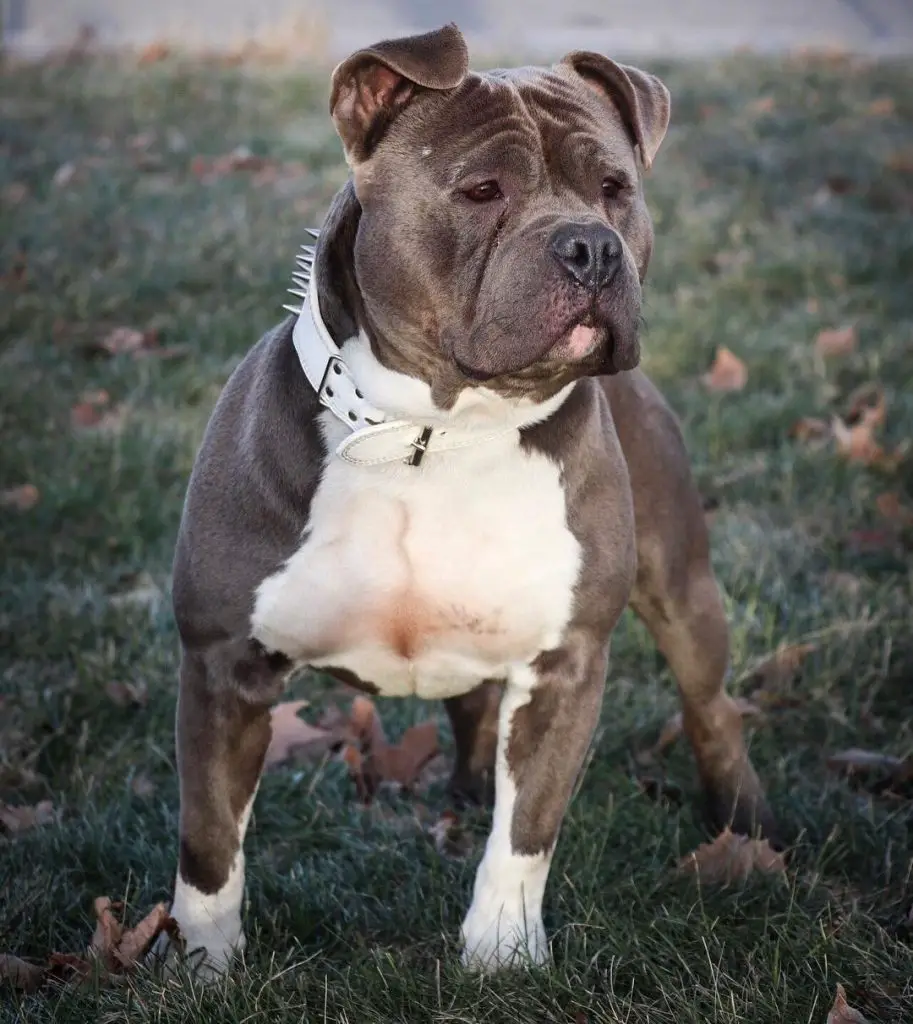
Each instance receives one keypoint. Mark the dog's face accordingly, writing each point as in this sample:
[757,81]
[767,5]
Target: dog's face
[503,226]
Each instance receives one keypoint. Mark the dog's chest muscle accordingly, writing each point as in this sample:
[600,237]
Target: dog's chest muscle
[428,580]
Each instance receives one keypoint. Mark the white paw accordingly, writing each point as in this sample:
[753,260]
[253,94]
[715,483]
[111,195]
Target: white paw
[209,926]
[506,938]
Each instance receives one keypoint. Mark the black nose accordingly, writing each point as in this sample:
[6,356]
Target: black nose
[589,251]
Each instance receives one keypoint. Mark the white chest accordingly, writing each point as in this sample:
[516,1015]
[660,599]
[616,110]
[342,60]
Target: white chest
[428,580]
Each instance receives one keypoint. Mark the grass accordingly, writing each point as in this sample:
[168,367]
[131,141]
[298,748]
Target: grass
[352,915]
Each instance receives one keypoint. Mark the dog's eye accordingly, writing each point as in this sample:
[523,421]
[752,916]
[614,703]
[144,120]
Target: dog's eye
[612,187]
[484,192]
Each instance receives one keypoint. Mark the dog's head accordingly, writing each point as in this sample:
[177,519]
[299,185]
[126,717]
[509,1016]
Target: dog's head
[502,233]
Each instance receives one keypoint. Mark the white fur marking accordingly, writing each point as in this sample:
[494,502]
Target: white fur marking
[212,921]
[504,922]
[428,580]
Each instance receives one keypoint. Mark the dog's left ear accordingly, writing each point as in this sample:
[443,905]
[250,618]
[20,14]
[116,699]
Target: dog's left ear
[641,98]
[373,85]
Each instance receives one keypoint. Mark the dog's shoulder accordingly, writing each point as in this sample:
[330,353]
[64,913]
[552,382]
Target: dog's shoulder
[251,487]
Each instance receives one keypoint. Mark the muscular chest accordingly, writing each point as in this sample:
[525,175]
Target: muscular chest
[428,580]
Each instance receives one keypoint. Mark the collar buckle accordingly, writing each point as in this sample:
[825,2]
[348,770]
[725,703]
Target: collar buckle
[419,446]
[334,365]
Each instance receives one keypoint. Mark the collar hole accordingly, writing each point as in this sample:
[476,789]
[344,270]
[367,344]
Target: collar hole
[358,394]
[352,416]
[329,392]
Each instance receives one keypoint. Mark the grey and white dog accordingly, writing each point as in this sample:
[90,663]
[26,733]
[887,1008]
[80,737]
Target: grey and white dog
[444,475]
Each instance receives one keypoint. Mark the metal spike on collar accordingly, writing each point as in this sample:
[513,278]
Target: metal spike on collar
[302,276]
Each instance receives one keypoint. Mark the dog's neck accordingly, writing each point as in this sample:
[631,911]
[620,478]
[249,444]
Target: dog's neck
[389,416]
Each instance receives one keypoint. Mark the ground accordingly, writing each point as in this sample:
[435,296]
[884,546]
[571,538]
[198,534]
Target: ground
[783,202]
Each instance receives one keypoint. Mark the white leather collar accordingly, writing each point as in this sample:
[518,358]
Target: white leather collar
[374,437]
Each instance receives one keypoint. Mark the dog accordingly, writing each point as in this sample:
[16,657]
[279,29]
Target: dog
[444,475]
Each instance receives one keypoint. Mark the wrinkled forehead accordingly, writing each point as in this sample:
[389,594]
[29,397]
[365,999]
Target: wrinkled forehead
[541,112]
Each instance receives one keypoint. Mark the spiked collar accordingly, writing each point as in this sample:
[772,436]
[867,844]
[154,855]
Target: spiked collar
[372,437]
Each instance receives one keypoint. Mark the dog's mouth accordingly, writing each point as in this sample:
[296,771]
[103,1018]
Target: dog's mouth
[580,340]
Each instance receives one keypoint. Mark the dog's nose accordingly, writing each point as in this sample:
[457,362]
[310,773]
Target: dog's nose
[589,251]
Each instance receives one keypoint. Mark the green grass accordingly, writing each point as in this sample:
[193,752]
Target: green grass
[352,915]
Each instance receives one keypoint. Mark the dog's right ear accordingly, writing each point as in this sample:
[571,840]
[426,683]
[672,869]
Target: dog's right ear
[373,85]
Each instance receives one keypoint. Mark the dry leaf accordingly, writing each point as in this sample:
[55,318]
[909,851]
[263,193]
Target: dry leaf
[780,667]
[64,174]
[882,106]
[858,760]
[839,341]
[142,786]
[21,819]
[20,974]
[404,762]
[675,726]
[731,858]
[15,193]
[450,840]
[122,340]
[23,497]
[728,372]
[136,941]
[141,591]
[841,1012]
[890,506]
[153,53]
[855,437]
[290,734]
[762,105]
[811,430]
[108,932]
[128,694]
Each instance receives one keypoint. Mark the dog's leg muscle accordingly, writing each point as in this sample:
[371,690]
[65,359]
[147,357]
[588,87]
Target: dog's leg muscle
[547,717]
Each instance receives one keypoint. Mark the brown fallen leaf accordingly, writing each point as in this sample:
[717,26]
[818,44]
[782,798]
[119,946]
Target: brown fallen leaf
[839,341]
[891,507]
[781,666]
[881,106]
[23,497]
[762,105]
[291,734]
[403,763]
[123,340]
[128,694]
[139,591]
[153,53]
[811,430]
[135,942]
[14,193]
[142,786]
[674,728]
[70,967]
[22,818]
[450,839]
[732,858]
[855,436]
[20,974]
[841,1012]
[108,931]
[728,372]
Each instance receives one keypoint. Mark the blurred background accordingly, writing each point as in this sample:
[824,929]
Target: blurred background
[333,27]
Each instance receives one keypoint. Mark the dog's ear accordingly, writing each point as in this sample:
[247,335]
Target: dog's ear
[373,85]
[641,98]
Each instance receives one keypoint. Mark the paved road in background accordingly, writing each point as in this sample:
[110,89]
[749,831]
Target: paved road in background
[331,28]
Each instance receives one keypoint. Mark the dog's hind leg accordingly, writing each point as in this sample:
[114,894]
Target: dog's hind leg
[223,731]
[474,721]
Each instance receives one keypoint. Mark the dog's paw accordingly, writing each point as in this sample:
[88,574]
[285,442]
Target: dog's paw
[503,938]
[204,942]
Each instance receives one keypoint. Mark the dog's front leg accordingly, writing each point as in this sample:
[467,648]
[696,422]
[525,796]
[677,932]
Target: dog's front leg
[547,718]
[223,731]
